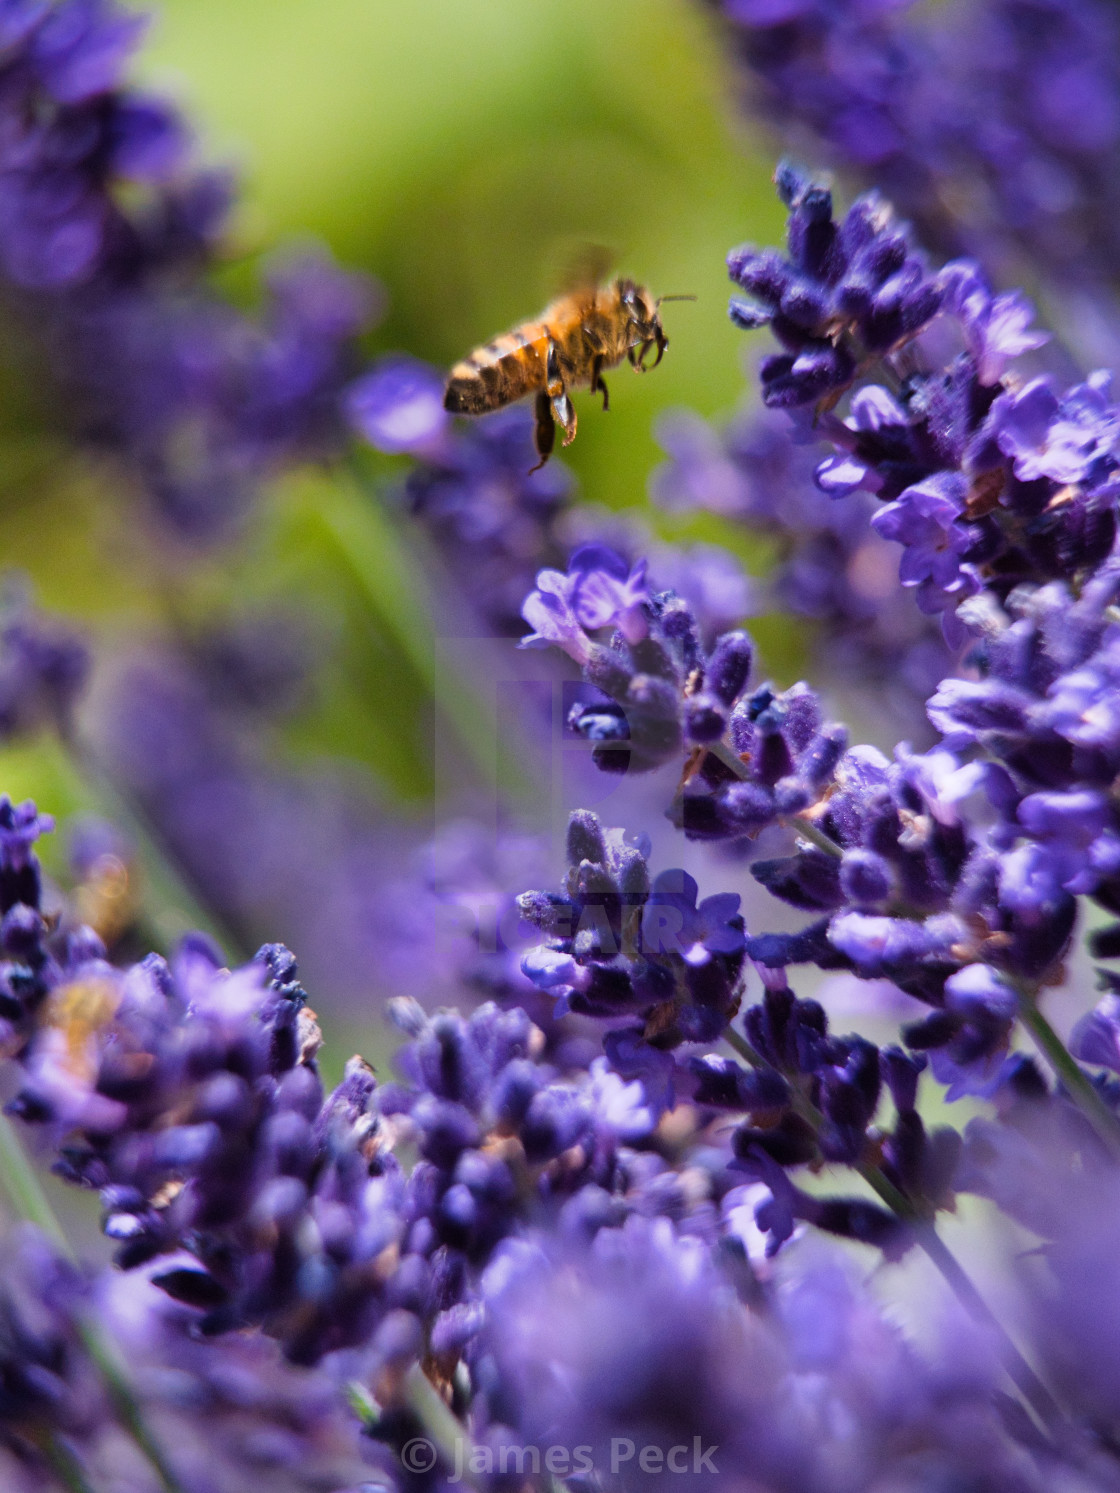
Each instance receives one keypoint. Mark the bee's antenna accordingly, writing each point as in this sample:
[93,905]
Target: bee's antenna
[661,298]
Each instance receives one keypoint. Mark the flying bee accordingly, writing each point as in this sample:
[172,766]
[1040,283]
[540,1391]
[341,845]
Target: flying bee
[76,1014]
[574,340]
[107,897]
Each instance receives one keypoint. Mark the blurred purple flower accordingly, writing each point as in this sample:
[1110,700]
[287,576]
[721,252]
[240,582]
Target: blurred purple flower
[398,406]
[674,923]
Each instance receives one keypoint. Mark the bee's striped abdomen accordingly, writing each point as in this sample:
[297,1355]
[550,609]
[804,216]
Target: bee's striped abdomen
[504,370]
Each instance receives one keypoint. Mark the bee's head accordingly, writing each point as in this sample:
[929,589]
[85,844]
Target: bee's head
[643,321]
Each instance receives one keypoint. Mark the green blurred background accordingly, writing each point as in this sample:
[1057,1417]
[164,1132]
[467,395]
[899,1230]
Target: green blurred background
[460,151]
[459,148]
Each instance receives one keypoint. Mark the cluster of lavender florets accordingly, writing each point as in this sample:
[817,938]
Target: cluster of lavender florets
[992,126]
[610,1227]
[189,1097]
[107,230]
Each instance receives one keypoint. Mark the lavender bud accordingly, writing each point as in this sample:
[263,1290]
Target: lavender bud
[729,666]
[585,838]
[865,878]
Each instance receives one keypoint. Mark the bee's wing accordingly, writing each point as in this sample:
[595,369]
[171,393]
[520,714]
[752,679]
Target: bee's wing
[584,267]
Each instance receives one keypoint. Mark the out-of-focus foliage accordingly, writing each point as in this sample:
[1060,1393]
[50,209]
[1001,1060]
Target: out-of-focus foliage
[463,155]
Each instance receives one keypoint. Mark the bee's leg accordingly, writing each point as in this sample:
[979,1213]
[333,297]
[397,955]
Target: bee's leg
[597,380]
[545,433]
[564,413]
[562,410]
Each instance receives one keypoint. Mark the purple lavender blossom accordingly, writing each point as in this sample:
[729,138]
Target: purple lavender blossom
[617,947]
[398,407]
[639,1340]
[982,96]
[1096,1037]
[922,520]
[223,1410]
[847,286]
[831,571]
[985,483]
[43,670]
[107,228]
[654,682]
[997,329]
[600,590]
[1063,440]
[139,368]
[673,921]
[593,1231]
[189,1096]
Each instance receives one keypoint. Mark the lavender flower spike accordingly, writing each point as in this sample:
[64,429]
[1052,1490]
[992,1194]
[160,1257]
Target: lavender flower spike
[672,920]
[599,591]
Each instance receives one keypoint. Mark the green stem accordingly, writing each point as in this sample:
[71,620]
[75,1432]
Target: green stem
[362,1403]
[812,832]
[743,1047]
[1018,1370]
[963,1287]
[25,1192]
[106,1356]
[64,1464]
[446,1432]
[895,1199]
[723,753]
[1077,1084]
[394,584]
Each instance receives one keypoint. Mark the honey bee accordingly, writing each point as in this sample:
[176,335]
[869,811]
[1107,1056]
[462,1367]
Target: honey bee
[573,341]
[76,1014]
[107,897]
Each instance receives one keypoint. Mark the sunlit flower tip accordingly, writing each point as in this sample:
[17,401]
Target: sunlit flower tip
[619,1105]
[1070,821]
[979,989]
[997,328]
[1096,1036]
[1030,882]
[550,968]
[840,475]
[875,408]
[554,623]
[1066,439]
[606,592]
[865,877]
[398,406]
[875,943]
